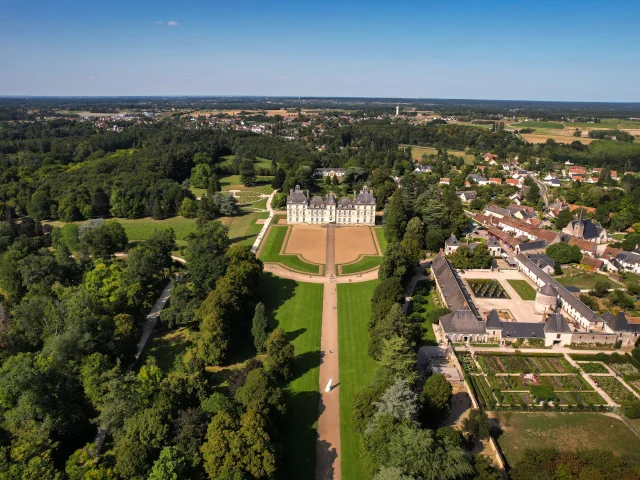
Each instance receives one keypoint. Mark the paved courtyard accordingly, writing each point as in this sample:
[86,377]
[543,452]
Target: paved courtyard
[521,310]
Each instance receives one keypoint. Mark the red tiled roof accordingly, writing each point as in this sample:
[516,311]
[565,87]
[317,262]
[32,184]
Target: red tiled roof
[495,180]
[504,236]
[512,181]
[583,245]
[610,253]
[592,262]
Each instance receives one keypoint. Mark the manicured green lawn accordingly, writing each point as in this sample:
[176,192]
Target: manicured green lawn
[356,367]
[366,263]
[522,287]
[565,431]
[233,182]
[260,161]
[297,309]
[424,288]
[271,251]
[243,229]
[382,240]
[581,279]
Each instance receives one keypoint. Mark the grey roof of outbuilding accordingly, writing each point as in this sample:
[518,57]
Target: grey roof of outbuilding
[619,323]
[461,321]
[296,196]
[329,169]
[452,240]
[493,320]
[499,210]
[467,193]
[533,245]
[365,197]
[493,242]
[454,296]
[556,323]
[477,178]
[536,257]
[522,330]
[628,257]
[567,296]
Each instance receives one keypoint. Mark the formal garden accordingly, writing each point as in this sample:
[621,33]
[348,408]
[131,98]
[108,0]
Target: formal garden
[614,388]
[533,363]
[514,382]
[484,288]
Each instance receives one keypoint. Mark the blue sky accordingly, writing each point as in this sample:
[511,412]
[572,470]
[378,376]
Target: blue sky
[543,50]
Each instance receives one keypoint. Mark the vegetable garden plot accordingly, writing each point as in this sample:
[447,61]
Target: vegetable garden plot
[593,367]
[624,368]
[467,363]
[581,398]
[522,364]
[482,391]
[483,288]
[614,388]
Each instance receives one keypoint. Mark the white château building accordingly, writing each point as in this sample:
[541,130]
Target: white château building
[318,210]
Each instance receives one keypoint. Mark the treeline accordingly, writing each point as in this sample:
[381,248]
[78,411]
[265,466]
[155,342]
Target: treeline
[69,326]
[62,318]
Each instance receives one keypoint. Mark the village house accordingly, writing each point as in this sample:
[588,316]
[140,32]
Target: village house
[478,179]
[329,172]
[445,181]
[467,195]
[495,181]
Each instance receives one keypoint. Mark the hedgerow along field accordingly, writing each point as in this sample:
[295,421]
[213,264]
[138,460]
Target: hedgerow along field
[297,309]
[356,366]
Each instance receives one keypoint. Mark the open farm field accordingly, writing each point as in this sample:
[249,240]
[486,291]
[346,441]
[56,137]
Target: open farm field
[565,431]
[540,138]
[417,152]
[535,124]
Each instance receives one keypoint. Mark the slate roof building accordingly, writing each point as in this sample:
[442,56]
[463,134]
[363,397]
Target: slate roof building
[586,229]
[319,210]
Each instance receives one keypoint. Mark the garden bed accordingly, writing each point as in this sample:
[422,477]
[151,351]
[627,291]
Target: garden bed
[593,367]
[614,388]
[484,288]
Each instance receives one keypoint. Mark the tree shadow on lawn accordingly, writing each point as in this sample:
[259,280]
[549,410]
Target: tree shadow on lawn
[291,336]
[305,362]
[300,434]
[275,291]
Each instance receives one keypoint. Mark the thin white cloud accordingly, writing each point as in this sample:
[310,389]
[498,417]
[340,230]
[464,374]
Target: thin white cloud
[92,78]
[158,22]
[171,23]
